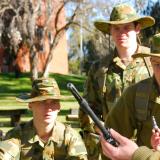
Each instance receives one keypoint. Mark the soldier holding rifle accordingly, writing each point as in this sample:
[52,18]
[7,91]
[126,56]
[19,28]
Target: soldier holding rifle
[108,77]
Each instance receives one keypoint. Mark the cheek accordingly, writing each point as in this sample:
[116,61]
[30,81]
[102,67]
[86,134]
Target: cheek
[156,70]
[132,34]
[113,32]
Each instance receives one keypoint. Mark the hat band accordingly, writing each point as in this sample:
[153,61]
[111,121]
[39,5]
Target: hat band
[124,18]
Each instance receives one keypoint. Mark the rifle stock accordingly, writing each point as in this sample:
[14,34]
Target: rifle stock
[85,106]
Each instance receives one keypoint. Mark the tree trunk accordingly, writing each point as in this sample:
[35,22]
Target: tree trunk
[34,63]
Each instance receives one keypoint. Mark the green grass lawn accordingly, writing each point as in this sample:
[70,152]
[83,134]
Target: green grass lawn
[10,87]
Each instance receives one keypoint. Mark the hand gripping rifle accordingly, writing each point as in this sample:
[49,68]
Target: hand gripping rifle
[85,106]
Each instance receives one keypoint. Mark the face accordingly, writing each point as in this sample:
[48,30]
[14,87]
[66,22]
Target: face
[45,111]
[156,68]
[124,35]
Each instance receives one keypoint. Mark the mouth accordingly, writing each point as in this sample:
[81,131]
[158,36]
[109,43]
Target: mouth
[47,115]
[122,39]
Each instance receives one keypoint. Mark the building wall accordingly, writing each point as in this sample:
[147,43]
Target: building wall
[59,63]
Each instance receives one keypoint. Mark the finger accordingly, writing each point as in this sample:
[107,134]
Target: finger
[153,131]
[107,148]
[100,133]
[117,136]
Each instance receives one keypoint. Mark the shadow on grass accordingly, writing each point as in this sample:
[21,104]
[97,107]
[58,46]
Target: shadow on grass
[62,81]
[11,85]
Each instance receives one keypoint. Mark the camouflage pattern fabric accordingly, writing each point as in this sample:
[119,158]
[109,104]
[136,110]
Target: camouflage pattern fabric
[9,149]
[155,48]
[144,153]
[138,112]
[122,14]
[105,84]
[42,89]
[64,143]
[122,116]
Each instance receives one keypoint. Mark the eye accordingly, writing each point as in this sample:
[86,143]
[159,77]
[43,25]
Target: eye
[115,28]
[128,27]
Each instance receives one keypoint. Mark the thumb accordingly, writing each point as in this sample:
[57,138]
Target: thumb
[117,136]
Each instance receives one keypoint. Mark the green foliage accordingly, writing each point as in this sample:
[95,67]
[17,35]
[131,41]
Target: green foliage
[74,66]
[96,47]
[152,9]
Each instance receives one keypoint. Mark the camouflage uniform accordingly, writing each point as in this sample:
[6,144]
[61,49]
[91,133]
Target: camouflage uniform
[144,153]
[108,77]
[64,143]
[9,150]
[104,86]
[122,117]
[128,115]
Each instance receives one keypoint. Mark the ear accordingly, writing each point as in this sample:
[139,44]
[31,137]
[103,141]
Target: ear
[59,107]
[151,60]
[138,28]
[30,106]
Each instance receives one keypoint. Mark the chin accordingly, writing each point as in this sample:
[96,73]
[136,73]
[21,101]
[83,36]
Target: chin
[123,44]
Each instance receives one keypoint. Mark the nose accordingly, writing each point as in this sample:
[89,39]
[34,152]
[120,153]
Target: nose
[121,31]
[49,107]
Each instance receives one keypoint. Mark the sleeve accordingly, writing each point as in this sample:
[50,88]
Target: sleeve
[10,149]
[75,145]
[13,133]
[144,153]
[121,117]
[91,95]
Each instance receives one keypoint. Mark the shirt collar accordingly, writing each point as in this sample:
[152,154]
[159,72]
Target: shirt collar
[35,138]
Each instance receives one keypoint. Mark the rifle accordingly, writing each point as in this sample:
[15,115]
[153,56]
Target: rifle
[85,106]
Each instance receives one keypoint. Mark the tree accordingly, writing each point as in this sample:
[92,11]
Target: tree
[152,9]
[30,22]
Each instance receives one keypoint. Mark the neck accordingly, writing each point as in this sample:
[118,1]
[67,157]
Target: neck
[43,131]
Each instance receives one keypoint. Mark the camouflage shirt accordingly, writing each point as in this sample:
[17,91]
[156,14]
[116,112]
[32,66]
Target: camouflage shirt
[65,143]
[144,153]
[123,117]
[9,149]
[106,81]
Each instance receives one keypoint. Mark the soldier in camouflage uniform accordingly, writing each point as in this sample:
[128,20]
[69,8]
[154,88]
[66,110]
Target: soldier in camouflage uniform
[44,137]
[108,77]
[139,102]
[9,149]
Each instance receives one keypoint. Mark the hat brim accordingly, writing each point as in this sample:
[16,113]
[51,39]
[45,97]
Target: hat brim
[137,55]
[26,98]
[144,22]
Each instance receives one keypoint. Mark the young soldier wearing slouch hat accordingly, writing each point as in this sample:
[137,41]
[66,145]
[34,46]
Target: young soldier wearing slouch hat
[44,137]
[107,78]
